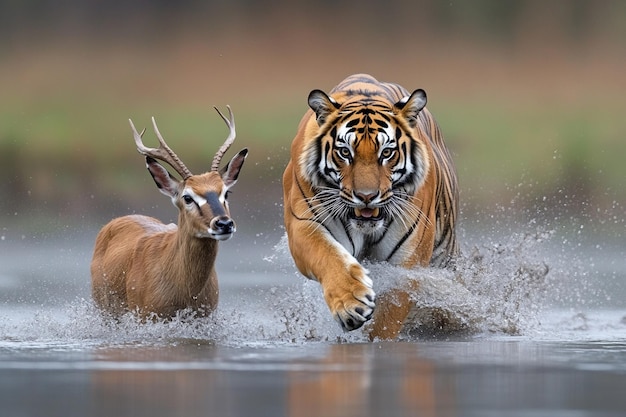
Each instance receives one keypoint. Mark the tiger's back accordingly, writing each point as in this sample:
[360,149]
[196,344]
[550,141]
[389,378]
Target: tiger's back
[369,178]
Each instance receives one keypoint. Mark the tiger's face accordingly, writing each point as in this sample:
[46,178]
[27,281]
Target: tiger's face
[366,161]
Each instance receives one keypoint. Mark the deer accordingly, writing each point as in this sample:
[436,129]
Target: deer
[144,266]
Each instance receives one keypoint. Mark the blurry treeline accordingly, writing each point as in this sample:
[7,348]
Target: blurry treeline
[529,94]
[574,19]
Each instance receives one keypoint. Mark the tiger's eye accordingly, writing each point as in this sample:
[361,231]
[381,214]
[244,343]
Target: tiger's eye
[344,152]
[387,152]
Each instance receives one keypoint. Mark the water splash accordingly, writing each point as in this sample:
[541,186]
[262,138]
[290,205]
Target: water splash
[501,288]
[496,288]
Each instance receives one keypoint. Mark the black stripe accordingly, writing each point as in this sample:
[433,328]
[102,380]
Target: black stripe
[404,238]
[382,236]
[381,123]
[310,208]
[346,231]
[352,122]
[213,200]
[312,221]
[303,194]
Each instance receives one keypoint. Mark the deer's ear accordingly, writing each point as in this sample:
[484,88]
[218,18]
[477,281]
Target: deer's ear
[167,184]
[230,172]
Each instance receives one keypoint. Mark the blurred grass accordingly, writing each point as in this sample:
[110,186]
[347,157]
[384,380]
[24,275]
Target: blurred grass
[487,138]
[535,114]
[68,151]
[499,145]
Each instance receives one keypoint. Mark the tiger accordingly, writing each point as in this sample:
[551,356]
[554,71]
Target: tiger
[369,178]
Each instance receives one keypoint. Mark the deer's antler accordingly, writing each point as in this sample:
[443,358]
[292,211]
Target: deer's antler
[230,122]
[163,152]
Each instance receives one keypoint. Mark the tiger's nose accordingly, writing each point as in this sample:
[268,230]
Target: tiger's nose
[365,197]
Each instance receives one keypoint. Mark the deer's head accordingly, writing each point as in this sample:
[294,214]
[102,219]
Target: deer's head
[202,200]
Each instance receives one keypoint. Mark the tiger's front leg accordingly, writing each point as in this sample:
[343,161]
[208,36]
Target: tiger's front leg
[347,287]
[393,308]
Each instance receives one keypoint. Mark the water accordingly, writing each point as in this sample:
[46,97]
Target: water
[533,330]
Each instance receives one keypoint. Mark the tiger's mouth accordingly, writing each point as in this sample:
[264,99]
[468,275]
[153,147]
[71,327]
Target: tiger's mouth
[366,213]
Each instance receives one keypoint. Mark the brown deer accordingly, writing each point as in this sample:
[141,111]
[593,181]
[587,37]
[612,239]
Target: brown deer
[142,265]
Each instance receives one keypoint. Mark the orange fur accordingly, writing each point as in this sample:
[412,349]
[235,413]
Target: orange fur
[141,264]
[345,134]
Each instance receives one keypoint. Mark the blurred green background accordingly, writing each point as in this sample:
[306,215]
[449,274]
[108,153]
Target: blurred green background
[530,95]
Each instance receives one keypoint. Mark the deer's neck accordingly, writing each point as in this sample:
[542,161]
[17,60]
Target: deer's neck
[192,263]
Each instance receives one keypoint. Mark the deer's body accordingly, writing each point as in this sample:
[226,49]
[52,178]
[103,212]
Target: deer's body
[152,267]
[140,264]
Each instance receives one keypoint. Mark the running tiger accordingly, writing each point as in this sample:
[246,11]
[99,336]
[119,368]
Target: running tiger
[369,178]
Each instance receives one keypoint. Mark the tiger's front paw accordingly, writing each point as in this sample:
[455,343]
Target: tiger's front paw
[351,298]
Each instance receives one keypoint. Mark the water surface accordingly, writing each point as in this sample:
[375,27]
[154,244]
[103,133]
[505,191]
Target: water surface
[542,342]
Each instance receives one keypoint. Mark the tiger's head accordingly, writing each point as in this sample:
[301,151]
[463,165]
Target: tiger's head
[366,159]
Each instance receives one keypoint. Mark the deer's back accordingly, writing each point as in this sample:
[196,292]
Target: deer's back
[114,254]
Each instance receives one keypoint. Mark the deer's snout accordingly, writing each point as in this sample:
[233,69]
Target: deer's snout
[222,228]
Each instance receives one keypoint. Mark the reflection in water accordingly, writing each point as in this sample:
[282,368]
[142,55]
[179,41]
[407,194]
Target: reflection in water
[180,376]
[362,380]
[184,378]
[146,392]
[329,380]
[174,380]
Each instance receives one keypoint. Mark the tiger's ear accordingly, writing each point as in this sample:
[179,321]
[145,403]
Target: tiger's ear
[322,105]
[410,106]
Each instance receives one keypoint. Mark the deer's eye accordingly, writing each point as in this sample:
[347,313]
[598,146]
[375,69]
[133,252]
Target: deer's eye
[187,199]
